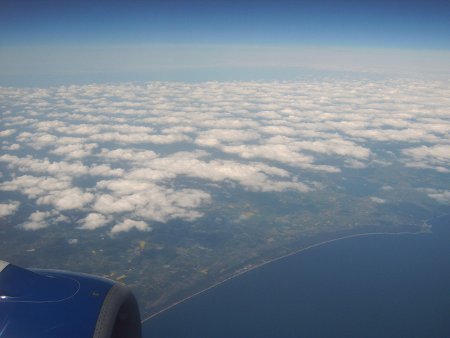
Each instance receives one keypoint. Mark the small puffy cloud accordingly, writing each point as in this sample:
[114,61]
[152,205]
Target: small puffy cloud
[129,224]
[435,157]
[37,220]
[39,140]
[7,209]
[105,170]
[121,154]
[79,129]
[149,201]
[127,186]
[334,146]
[13,146]
[30,164]
[440,195]
[216,137]
[75,150]
[166,204]
[7,132]
[276,152]
[355,164]
[34,186]
[93,221]
[377,200]
[278,130]
[255,176]
[109,204]
[139,138]
[393,135]
[68,199]
[280,153]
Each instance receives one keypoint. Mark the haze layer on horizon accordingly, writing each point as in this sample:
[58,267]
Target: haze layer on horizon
[51,42]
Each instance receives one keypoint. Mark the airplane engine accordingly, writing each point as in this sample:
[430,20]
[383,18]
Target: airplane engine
[36,303]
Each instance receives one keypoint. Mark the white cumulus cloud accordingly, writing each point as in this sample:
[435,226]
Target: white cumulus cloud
[129,224]
[93,221]
[37,220]
[7,209]
[128,154]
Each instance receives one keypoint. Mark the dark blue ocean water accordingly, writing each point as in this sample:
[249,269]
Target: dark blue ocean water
[374,286]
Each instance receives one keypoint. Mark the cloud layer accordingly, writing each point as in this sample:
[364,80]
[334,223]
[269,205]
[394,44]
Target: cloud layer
[124,156]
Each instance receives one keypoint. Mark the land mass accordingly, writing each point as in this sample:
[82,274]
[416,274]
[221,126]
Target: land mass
[240,232]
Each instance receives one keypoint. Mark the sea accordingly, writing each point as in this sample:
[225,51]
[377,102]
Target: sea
[367,286]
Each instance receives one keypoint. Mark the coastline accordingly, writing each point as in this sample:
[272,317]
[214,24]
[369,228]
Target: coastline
[250,267]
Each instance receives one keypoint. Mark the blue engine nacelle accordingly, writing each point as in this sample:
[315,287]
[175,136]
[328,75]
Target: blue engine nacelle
[38,303]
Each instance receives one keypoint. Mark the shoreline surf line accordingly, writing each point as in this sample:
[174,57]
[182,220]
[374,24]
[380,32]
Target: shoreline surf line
[246,269]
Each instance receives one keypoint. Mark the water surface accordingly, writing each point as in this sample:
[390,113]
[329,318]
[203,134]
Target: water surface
[374,286]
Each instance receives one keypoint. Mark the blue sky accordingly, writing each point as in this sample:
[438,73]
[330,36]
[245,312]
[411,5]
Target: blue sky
[405,24]
[31,31]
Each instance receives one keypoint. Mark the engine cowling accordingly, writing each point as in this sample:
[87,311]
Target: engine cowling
[36,303]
